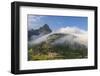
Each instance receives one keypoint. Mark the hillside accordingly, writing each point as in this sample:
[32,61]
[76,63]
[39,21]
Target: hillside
[65,44]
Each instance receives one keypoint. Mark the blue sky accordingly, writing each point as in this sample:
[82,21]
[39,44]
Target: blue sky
[57,22]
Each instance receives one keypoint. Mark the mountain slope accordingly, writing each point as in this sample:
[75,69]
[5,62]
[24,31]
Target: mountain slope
[63,37]
[70,43]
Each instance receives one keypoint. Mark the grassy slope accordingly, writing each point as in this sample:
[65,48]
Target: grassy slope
[45,51]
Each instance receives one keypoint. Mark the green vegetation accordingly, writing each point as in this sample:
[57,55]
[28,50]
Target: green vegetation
[46,51]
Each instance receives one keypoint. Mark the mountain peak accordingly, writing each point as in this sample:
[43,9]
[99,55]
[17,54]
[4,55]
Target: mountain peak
[45,29]
[45,25]
[39,32]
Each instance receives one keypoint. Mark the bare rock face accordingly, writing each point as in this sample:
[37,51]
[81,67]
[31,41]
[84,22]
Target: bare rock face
[39,32]
[45,29]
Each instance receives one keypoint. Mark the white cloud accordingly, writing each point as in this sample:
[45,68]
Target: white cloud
[73,34]
[34,18]
[33,21]
[72,30]
[81,35]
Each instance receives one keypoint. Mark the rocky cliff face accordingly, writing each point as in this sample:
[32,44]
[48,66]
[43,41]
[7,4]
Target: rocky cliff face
[32,34]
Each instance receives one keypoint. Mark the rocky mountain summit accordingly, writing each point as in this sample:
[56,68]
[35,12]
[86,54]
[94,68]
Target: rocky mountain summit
[35,33]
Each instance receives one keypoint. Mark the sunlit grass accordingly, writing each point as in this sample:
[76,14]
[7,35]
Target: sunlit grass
[45,51]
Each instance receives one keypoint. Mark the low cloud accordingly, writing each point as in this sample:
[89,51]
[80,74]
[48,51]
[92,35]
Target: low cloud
[81,35]
[71,30]
[73,34]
